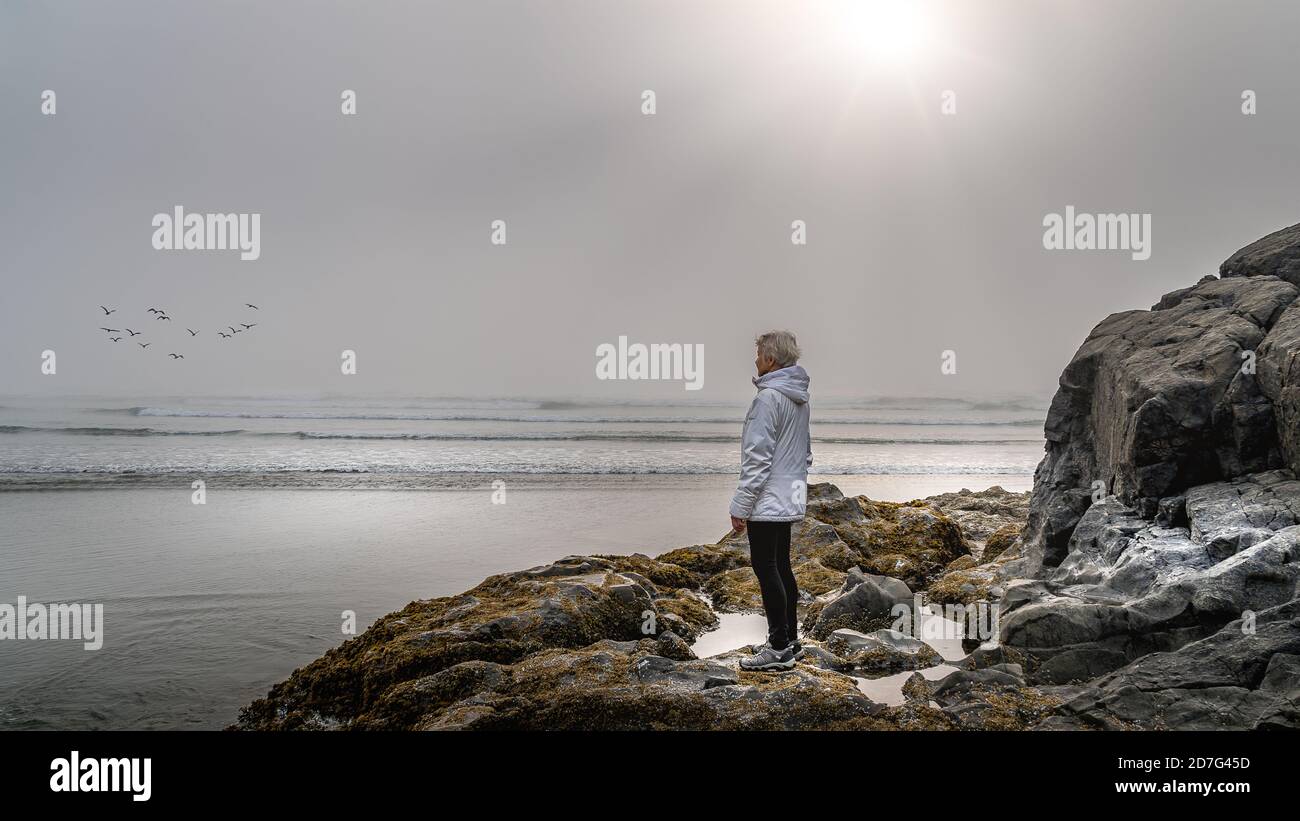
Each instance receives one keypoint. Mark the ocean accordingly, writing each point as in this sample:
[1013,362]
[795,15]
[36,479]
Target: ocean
[316,506]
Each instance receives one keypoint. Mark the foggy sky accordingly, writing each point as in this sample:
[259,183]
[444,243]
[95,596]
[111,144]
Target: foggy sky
[924,230]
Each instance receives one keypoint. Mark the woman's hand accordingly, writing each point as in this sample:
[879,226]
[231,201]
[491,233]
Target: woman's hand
[738,525]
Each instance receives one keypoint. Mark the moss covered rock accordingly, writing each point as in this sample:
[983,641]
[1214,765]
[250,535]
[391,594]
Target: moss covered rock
[882,651]
[1000,540]
[864,603]
[911,541]
[624,686]
[963,586]
[982,512]
[568,604]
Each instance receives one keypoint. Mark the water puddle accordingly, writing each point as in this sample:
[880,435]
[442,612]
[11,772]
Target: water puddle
[943,635]
[740,630]
[735,631]
[889,689]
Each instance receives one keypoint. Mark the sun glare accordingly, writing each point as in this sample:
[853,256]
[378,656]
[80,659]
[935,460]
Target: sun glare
[891,31]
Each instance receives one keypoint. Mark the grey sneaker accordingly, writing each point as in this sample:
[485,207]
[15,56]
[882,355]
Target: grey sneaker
[796,647]
[769,659]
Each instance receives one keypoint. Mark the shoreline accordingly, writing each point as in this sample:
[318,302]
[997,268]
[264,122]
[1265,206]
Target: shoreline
[882,486]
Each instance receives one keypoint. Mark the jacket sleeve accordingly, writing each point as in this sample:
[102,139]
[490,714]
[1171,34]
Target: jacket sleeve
[756,449]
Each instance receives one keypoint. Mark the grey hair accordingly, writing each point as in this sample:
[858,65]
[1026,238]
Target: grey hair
[779,346]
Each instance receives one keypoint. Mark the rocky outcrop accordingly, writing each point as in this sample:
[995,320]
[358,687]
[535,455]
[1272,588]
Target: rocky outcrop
[1201,388]
[1155,402]
[571,604]
[564,646]
[1166,510]
[604,642]
[1196,390]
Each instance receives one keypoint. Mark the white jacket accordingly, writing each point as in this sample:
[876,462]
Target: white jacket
[775,450]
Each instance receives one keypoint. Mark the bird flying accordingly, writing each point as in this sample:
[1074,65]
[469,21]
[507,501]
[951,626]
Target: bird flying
[116,338]
[111,330]
[175,356]
[163,316]
[144,344]
[251,305]
[192,333]
[107,311]
[132,333]
[246,327]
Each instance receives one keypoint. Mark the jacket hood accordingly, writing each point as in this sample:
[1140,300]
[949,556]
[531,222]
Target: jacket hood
[791,381]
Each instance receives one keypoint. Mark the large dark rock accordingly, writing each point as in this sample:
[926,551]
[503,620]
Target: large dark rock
[1166,505]
[1157,401]
[1202,387]
[865,603]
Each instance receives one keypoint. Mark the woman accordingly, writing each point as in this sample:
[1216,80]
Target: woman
[775,454]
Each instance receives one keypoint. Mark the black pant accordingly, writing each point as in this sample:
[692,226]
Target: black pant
[769,555]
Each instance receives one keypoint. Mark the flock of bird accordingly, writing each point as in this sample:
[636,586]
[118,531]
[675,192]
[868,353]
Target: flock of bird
[160,315]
